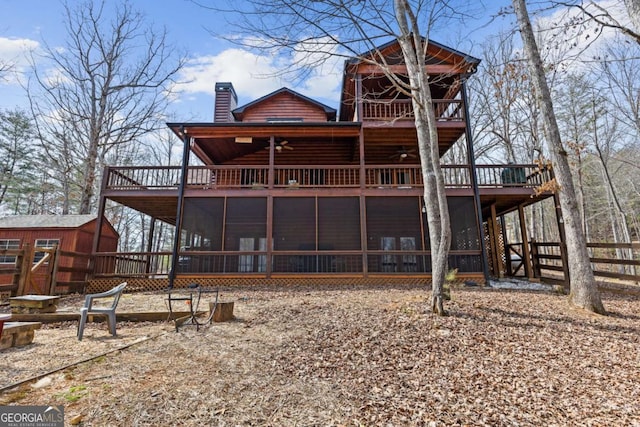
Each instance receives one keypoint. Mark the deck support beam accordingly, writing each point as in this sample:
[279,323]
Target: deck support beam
[526,255]
[179,210]
[471,158]
[494,231]
[563,245]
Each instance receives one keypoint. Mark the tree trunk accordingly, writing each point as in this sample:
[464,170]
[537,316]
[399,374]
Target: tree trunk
[633,7]
[584,291]
[435,197]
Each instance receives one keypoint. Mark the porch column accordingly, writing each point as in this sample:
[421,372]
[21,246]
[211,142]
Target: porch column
[99,220]
[270,184]
[363,207]
[506,249]
[471,158]
[526,255]
[179,210]
[563,240]
[495,243]
[152,229]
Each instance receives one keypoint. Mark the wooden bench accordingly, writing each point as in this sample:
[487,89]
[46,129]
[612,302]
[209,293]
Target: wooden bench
[18,334]
[34,304]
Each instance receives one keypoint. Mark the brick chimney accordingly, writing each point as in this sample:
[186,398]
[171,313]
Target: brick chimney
[226,101]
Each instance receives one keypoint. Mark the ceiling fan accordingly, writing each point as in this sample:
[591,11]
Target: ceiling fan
[281,145]
[403,153]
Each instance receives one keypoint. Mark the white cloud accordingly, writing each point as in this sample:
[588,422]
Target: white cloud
[569,38]
[256,75]
[252,75]
[15,52]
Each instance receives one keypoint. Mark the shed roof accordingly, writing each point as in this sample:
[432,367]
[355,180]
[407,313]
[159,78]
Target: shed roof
[45,221]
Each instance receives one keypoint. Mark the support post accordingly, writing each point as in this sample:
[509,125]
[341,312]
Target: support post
[537,271]
[363,201]
[496,243]
[180,208]
[526,255]
[53,269]
[25,268]
[97,233]
[506,246]
[271,182]
[563,240]
[474,179]
[152,230]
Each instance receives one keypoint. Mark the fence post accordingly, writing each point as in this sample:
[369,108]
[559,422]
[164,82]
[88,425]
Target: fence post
[25,268]
[15,281]
[53,269]
[537,273]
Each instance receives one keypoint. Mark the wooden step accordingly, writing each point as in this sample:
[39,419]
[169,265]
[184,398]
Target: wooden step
[149,316]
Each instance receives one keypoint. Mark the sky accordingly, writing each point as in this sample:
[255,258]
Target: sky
[26,24]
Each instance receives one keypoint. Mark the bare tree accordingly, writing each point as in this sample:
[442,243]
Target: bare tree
[503,108]
[633,7]
[584,290]
[5,67]
[314,32]
[109,86]
[593,12]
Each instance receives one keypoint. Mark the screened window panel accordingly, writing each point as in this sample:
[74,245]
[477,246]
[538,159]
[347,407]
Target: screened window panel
[294,223]
[202,223]
[338,223]
[393,217]
[464,225]
[246,219]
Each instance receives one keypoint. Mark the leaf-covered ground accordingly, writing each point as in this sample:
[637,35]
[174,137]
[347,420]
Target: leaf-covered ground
[372,357]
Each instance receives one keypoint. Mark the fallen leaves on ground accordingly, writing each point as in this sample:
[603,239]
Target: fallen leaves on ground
[350,357]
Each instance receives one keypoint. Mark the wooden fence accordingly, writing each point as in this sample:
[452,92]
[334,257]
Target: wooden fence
[619,261]
[24,276]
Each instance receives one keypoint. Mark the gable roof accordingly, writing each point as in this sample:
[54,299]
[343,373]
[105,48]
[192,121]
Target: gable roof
[45,221]
[433,45]
[442,60]
[330,112]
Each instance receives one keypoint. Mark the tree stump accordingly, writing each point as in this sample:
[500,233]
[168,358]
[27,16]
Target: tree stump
[223,311]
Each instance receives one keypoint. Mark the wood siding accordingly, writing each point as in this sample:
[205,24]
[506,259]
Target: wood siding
[284,105]
[71,240]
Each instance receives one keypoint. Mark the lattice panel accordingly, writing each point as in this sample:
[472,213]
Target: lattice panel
[141,284]
[489,247]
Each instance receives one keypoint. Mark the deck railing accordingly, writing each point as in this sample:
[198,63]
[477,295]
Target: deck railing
[312,176]
[158,264]
[400,109]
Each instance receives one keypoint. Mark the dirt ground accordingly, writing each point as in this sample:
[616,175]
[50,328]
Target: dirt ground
[345,357]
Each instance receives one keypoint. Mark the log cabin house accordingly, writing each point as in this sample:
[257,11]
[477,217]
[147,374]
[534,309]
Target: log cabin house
[287,190]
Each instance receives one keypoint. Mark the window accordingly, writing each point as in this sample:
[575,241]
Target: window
[9,244]
[409,262]
[44,243]
[388,261]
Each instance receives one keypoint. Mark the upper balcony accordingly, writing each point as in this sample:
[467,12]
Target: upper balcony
[392,121]
[154,189]
[394,110]
[238,177]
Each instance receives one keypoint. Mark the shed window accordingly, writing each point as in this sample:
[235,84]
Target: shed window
[44,243]
[9,244]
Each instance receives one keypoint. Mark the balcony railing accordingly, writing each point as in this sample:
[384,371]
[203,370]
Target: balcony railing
[158,264]
[378,176]
[399,109]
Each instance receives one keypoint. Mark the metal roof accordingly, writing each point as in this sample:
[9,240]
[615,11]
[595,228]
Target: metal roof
[45,221]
